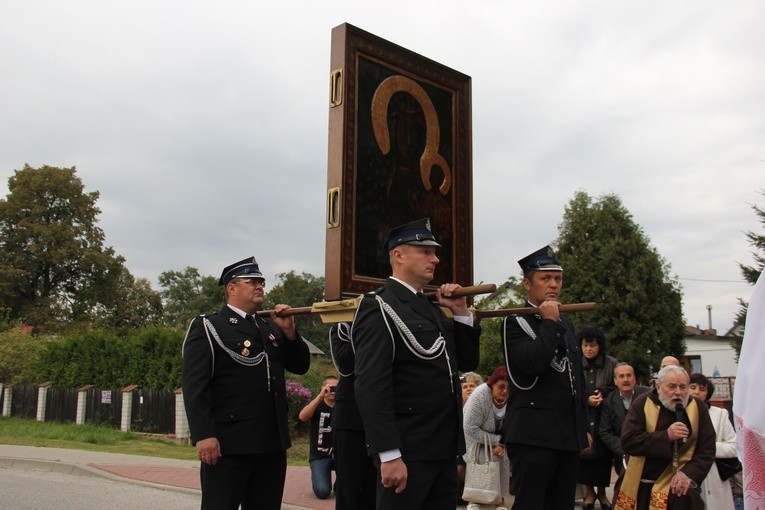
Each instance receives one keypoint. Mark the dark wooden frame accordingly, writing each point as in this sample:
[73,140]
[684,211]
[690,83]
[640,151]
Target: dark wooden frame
[380,90]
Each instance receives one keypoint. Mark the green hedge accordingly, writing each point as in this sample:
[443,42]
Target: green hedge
[149,357]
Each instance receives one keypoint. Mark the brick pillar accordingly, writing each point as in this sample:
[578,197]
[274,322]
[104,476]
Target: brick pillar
[82,404]
[127,406]
[181,421]
[42,399]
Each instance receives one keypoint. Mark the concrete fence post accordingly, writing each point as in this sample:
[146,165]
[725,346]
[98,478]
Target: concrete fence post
[127,407]
[82,404]
[7,396]
[182,432]
[42,399]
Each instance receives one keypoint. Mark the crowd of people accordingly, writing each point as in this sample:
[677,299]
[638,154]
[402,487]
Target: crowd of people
[400,424]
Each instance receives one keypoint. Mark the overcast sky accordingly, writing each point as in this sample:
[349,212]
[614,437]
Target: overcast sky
[203,125]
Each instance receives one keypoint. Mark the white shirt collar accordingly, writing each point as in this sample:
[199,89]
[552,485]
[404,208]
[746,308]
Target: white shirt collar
[240,312]
[402,282]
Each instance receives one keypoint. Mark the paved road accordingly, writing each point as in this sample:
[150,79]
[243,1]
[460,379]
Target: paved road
[43,478]
[43,490]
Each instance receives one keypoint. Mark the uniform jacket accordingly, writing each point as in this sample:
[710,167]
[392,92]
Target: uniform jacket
[407,402]
[611,419]
[345,414]
[233,402]
[551,411]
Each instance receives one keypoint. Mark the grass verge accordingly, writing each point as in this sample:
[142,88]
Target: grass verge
[24,432]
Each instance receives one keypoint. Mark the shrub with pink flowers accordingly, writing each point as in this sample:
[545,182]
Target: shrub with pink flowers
[298,397]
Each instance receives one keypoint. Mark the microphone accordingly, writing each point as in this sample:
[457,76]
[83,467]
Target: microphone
[679,416]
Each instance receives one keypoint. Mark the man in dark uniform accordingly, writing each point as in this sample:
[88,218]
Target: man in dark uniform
[546,426]
[356,481]
[234,393]
[407,386]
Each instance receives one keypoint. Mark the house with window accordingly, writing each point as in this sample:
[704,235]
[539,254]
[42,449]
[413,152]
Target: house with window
[708,353]
[713,355]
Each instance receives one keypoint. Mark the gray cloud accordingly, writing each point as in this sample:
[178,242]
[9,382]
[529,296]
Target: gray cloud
[204,127]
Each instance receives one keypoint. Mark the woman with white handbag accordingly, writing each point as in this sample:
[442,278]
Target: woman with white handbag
[483,416]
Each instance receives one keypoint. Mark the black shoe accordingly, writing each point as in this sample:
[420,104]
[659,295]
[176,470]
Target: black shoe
[588,506]
[605,506]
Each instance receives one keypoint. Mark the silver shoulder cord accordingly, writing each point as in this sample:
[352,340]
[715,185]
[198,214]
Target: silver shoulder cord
[411,342]
[209,342]
[526,329]
[557,366]
[344,334]
[242,360]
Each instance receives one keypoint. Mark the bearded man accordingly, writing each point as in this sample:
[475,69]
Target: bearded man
[670,441]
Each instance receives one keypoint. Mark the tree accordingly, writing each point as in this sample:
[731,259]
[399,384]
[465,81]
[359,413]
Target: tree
[133,305]
[750,273]
[508,295]
[53,264]
[187,294]
[756,241]
[19,352]
[300,290]
[608,259]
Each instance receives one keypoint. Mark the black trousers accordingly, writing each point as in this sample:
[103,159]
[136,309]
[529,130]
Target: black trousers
[544,479]
[255,481]
[356,474]
[431,485]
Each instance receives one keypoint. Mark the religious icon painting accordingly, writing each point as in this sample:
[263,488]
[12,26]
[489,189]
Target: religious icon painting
[399,150]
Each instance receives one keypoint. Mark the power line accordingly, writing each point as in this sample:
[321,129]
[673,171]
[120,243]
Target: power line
[712,281]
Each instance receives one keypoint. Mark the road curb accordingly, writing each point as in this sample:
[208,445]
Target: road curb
[86,470]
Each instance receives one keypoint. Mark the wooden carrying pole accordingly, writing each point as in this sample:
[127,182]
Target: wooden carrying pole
[344,310]
[530,310]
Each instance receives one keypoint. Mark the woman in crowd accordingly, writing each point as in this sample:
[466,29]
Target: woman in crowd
[716,493]
[484,412]
[469,381]
[595,461]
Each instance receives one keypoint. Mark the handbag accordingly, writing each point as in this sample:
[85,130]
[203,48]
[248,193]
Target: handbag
[728,467]
[482,479]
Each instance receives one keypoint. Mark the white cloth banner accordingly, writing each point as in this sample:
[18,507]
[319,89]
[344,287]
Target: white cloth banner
[749,401]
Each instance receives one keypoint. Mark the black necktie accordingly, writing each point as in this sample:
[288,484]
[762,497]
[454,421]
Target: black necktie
[251,320]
